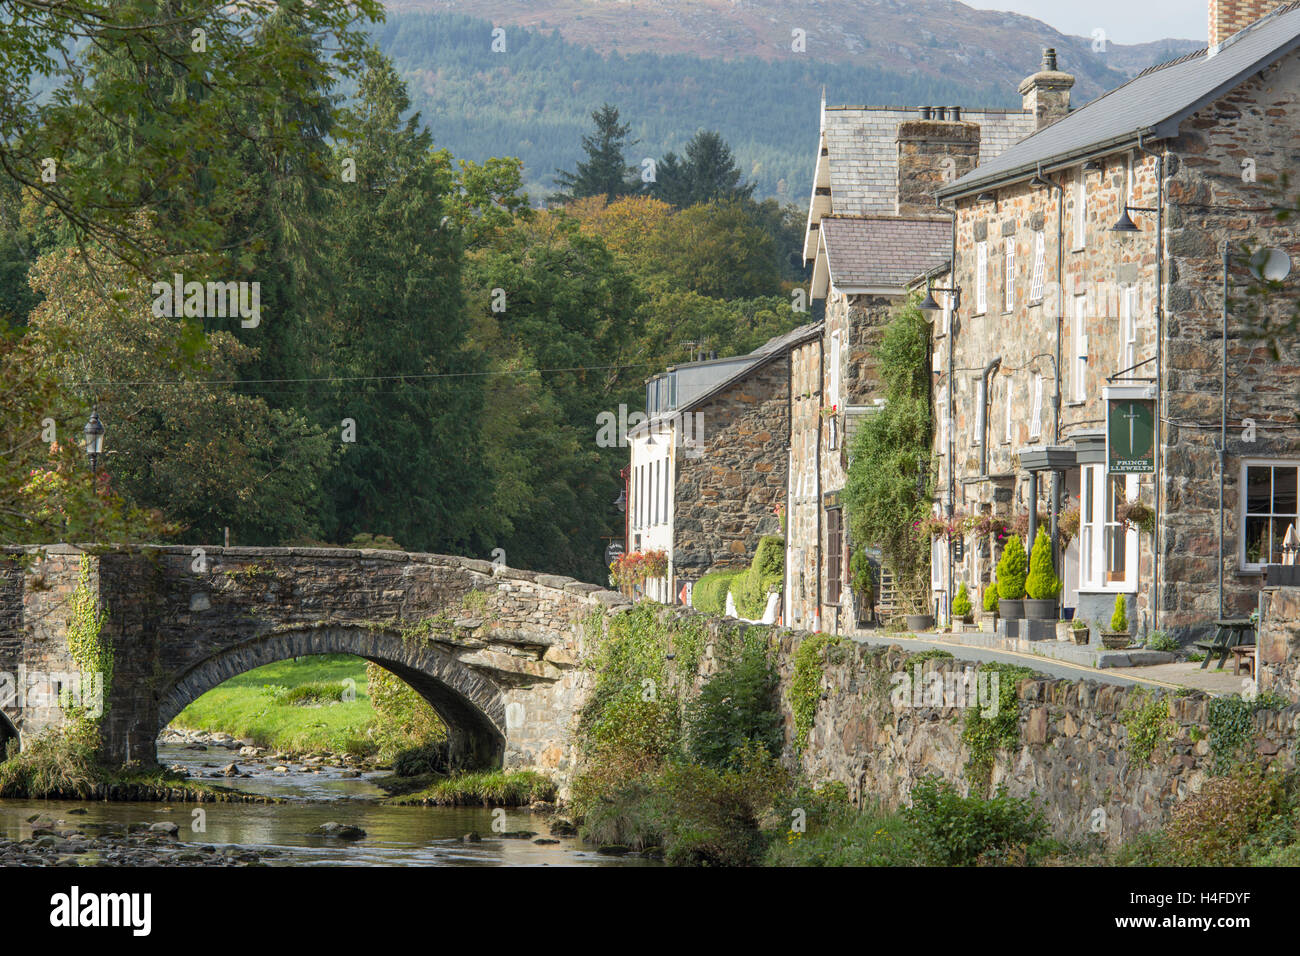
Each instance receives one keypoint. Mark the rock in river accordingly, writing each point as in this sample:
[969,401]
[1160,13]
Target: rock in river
[343,831]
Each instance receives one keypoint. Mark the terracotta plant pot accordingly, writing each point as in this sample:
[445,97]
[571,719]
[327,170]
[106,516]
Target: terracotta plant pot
[1040,610]
[920,622]
[1011,610]
[1115,640]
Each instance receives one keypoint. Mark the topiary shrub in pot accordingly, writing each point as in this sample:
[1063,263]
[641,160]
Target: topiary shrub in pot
[989,619]
[962,610]
[1118,635]
[1011,579]
[1042,585]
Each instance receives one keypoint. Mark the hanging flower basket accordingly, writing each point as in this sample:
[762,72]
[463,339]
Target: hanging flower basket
[633,569]
[1137,515]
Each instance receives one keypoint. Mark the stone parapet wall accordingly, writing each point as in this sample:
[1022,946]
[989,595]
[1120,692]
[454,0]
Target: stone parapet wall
[1072,756]
[1279,642]
[1073,752]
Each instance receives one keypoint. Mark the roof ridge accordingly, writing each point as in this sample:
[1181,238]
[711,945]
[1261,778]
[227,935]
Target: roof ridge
[1168,63]
[1010,110]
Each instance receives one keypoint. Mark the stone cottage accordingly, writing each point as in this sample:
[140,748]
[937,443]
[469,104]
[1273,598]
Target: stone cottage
[873,226]
[708,465]
[1094,364]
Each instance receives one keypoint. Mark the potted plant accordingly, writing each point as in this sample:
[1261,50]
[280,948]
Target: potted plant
[1042,585]
[1080,631]
[989,619]
[1118,635]
[912,604]
[1011,579]
[862,579]
[961,606]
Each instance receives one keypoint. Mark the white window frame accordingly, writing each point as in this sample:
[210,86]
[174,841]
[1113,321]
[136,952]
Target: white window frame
[1247,463]
[835,369]
[978,435]
[1093,502]
[1009,276]
[1087,535]
[654,493]
[667,489]
[981,276]
[1040,268]
[1010,390]
[941,406]
[1079,348]
[938,563]
[1081,211]
[946,298]
[1128,330]
[1036,416]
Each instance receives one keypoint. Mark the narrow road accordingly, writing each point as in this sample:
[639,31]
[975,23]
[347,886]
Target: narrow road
[1044,665]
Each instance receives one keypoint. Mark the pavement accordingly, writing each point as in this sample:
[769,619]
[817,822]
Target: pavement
[1172,675]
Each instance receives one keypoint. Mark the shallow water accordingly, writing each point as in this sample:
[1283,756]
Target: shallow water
[395,836]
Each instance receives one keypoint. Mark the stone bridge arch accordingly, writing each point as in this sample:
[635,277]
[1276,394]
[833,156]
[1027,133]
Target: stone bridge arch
[471,706]
[8,732]
[496,650]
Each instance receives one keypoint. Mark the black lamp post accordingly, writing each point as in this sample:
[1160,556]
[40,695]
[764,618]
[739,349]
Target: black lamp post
[929,304]
[1125,223]
[94,431]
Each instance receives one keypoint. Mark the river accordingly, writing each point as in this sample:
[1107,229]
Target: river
[282,834]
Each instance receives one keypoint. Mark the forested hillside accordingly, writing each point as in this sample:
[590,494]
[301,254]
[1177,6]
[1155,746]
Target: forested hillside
[673,68]
[534,100]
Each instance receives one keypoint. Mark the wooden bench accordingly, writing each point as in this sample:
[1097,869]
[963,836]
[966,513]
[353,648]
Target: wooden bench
[1243,654]
[1229,633]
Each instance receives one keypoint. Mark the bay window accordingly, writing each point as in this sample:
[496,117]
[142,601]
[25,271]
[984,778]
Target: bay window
[1269,507]
[1108,548]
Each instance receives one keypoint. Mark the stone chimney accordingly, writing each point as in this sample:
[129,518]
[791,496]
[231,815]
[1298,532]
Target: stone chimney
[1229,16]
[1046,94]
[930,153]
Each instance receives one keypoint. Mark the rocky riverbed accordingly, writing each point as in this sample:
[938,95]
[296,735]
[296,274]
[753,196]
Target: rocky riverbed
[61,842]
[347,766]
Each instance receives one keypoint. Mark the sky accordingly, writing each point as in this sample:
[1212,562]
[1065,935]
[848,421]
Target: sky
[1125,21]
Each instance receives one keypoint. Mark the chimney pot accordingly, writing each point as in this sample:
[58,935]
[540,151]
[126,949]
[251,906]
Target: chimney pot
[954,114]
[1046,94]
[926,112]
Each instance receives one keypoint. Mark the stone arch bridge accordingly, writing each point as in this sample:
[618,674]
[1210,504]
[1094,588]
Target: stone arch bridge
[495,650]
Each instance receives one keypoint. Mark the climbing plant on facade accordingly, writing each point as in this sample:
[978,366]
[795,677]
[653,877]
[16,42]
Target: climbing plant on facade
[887,491]
[89,650]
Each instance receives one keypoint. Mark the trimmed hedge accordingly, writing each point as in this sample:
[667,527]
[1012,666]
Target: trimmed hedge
[709,596]
[751,587]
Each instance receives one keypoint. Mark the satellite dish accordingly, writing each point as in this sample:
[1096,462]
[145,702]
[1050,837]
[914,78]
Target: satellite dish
[1274,264]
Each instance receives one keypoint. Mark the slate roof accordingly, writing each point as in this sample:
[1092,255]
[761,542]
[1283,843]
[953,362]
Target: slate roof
[878,252]
[863,151]
[1153,104]
[772,348]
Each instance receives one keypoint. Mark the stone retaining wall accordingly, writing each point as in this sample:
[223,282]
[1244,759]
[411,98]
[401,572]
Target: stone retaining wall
[1073,752]
[1279,642]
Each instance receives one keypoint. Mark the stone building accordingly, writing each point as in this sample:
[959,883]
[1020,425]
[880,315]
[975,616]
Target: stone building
[873,226]
[708,464]
[1064,316]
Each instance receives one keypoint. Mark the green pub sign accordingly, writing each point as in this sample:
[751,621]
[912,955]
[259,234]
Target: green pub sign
[1130,434]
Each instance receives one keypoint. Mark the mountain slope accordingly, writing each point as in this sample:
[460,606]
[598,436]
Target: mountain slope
[534,99]
[931,37]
